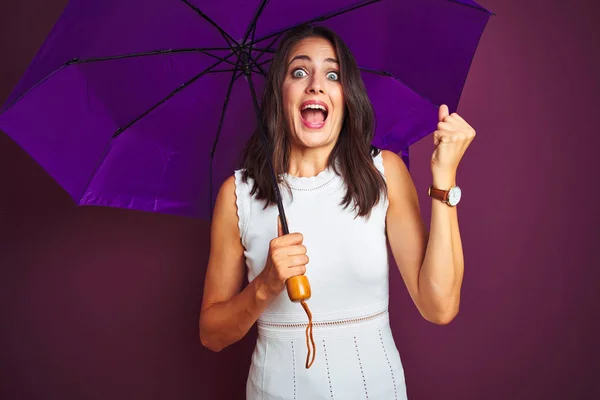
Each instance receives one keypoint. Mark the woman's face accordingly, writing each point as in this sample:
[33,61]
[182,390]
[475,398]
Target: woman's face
[313,101]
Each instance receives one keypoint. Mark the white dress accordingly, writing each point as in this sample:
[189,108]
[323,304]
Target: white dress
[356,357]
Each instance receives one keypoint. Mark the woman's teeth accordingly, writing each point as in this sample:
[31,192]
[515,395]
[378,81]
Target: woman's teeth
[315,107]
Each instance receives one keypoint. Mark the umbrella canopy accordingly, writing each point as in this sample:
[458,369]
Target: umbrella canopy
[146,105]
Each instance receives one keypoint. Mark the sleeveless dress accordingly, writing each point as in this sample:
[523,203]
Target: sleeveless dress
[356,357]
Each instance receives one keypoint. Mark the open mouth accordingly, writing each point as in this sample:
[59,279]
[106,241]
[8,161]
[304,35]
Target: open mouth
[314,114]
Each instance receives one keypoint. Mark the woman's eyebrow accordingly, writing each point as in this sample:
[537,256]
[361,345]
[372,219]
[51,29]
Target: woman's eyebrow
[307,58]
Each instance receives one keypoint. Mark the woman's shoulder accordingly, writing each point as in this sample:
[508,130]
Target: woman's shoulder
[387,155]
[232,204]
[391,162]
[225,207]
[398,180]
[235,188]
[228,192]
[233,183]
[387,161]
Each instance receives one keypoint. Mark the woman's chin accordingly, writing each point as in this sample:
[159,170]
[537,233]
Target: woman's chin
[314,139]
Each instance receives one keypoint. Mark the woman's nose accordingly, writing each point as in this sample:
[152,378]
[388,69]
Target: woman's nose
[315,86]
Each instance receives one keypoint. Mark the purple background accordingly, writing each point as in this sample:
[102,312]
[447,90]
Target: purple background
[103,303]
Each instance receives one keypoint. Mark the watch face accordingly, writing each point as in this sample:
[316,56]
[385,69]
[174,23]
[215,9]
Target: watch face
[454,196]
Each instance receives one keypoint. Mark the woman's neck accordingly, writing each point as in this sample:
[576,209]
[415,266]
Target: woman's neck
[308,162]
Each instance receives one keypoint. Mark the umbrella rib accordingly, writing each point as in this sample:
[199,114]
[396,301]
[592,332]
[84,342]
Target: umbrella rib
[223,70]
[222,119]
[122,129]
[321,18]
[257,65]
[241,73]
[385,73]
[252,25]
[260,70]
[225,35]
[152,53]
[265,62]
[173,93]
[7,106]
[254,31]
[264,50]
[268,48]
[77,60]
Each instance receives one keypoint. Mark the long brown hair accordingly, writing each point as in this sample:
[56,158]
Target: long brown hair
[351,158]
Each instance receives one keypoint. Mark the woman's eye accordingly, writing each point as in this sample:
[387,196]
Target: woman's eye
[298,73]
[333,76]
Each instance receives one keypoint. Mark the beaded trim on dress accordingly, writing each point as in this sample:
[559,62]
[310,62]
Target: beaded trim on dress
[310,182]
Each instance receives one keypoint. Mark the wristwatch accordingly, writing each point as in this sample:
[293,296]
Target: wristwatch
[450,196]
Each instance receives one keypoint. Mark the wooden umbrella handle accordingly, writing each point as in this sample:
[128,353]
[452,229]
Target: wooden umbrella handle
[298,290]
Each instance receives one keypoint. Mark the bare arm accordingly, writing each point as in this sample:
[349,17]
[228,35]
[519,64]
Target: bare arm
[431,264]
[227,312]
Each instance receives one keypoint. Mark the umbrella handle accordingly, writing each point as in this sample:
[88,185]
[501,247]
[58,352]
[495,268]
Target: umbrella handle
[298,288]
[309,335]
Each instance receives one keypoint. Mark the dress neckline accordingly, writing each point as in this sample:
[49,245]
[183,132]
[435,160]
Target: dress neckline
[310,182]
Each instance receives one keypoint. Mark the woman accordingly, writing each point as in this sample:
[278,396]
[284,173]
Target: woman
[344,199]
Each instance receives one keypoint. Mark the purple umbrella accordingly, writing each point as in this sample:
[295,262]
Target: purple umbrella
[146,105]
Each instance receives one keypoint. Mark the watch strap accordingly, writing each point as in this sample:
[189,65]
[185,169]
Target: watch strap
[438,194]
